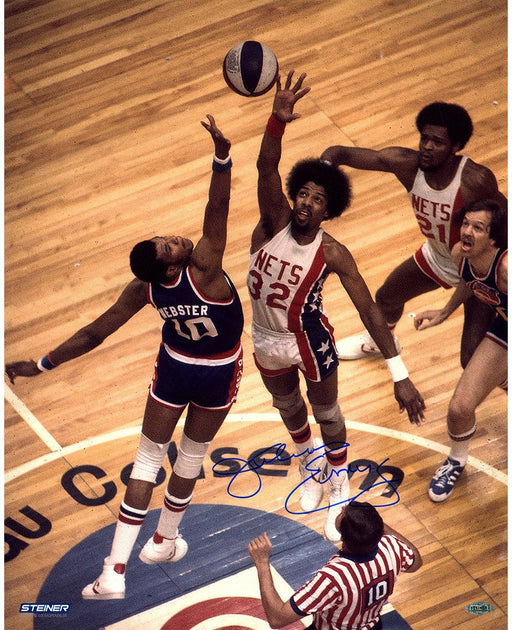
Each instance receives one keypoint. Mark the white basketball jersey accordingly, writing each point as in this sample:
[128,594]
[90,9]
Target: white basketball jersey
[436,210]
[285,280]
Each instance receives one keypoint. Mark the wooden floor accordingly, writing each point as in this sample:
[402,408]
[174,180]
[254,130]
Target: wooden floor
[104,147]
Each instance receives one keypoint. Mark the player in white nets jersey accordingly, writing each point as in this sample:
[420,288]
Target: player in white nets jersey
[291,256]
[439,183]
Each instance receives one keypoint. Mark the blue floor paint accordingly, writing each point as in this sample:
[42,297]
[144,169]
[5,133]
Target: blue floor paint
[217,536]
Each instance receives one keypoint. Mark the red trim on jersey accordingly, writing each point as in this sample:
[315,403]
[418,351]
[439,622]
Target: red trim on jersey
[297,306]
[235,381]
[206,299]
[427,270]
[496,272]
[311,368]
[296,309]
[496,340]
[232,352]
[455,219]
[459,266]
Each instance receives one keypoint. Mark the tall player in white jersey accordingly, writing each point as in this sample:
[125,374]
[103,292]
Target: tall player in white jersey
[439,183]
[291,256]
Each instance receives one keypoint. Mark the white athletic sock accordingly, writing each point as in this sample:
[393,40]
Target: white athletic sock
[459,451]
[171,514]
[128,527]
[303,439]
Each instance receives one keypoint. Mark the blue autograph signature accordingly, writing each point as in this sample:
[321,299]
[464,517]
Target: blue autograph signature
[316,468]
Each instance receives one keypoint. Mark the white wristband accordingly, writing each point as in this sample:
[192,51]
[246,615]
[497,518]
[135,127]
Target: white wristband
[397,368]
[222,161]
[44,364]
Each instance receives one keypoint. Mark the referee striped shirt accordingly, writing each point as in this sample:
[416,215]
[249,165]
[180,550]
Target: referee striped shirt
[348,592]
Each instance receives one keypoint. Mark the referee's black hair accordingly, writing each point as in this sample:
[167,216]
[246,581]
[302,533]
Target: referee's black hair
[454,117]
[145,264]
[334,181]
[361,528]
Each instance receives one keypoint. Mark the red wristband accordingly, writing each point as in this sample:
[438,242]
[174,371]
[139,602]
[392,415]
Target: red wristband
[275,127]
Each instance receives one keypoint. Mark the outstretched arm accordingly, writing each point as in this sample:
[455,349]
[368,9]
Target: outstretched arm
[427,319]
[131,300]
[278,612]
[209,251]
[340,261]
[402,162]
[274,207]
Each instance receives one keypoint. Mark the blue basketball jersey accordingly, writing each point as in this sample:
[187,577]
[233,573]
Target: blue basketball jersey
[195,325]
[486,288]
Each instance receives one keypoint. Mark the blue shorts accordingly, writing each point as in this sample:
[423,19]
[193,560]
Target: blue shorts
[210,383]
[498,331]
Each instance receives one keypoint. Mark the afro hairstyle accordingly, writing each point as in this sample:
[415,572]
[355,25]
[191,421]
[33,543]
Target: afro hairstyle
[454,117]
[334,181]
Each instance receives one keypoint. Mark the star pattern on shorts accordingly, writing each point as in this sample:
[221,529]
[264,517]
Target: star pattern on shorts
[323,348]
[328,361]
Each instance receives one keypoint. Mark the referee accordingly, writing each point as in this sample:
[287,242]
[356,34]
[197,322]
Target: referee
[349,591]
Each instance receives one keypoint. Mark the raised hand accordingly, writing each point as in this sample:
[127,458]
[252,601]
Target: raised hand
[259,548]
[285,99]
[222,144]
[21,368]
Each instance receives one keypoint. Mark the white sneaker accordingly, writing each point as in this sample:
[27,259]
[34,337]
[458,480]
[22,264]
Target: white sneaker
[338,491]
[359,346]
[312,490]
[109,585]
[159,549]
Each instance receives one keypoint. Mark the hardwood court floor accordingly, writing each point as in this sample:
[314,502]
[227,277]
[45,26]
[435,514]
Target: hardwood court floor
[104,147]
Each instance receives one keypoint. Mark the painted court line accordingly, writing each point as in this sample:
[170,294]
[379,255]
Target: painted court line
[56,450]
[30,419]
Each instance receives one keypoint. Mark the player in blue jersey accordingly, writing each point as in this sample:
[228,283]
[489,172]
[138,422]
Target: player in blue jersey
[481,257]
[199,366]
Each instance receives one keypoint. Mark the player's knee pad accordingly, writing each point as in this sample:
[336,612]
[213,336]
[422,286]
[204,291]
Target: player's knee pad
[329,417]
[190,457]
[148,460]
[289,404]
[461,437]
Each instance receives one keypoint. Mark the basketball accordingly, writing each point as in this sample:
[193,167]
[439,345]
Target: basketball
[250,68]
